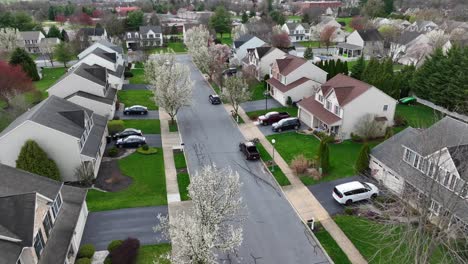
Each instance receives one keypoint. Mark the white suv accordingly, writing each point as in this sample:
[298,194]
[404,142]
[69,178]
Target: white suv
[347,193]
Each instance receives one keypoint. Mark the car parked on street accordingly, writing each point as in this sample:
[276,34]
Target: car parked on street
[214,99]
[272,117]
[354,191]
[135,110]
[250,150]
[128,132]
[286,124]
[131,142]
[230,72]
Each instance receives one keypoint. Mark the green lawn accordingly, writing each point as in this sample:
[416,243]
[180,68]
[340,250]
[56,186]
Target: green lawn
[257,89]
[295,18]
[173,126]
[147,254]
[347,20]
[137,97]
[312,44]
[418,115]
[227,39]
[183,180]
[277,172]
[179,160]
[332,248]
[49,77]
[138,76]
[139,65]
[342,156]
[291,110]
[216,88]
[3,104]
[177,47]
[148,187]
[147,126]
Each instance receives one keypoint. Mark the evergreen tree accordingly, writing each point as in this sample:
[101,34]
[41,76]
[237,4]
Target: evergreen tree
[358,68]
[345,68]
[331,69]
[22,58]
[371,71]
[54,32]
[305,18]
[325,66]
[308,54]
[362,162]
[51,13]
[245,17]
[405,75]
[33,159]
[324,155]
[64,36]
[220,21]
[252,12]
[135,19]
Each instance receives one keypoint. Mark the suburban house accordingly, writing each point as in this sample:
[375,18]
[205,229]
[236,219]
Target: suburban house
[42,219]
[338,36]
[93,34]
[70,134]
[428,163]
[368,42]
[410,47]
[112,61]
[297,31]
[295,78]
[87,86]
[398,46]
[243,43]
[30,40]
[422,26]
[146,37]
[47,45]
[104,45]
[259,60]
[341,103]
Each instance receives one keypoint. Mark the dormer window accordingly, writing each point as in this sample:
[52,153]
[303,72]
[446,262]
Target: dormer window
[337,110]
[328,105]
[57,205]
[39,244]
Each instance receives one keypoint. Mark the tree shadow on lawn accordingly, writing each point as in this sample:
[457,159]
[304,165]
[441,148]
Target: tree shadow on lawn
[110,178]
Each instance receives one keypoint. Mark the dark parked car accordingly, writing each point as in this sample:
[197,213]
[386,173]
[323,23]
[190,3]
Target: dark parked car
[285,124]
[272,117]
[250,150]
[128,132]
[130,142]
[135,110]
[214,99]
[230,72]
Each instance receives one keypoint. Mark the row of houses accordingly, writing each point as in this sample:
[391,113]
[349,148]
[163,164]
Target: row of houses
[43,220]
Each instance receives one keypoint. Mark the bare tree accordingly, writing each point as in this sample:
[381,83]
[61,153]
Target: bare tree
[368,128]
[238,31]
[48,50]
[281,40]
[390,33]
[328,35]
[262,28]
[314,14]
[438,38]
[85,173]
[235,91]
[170,81]
[215,224]
[373,8]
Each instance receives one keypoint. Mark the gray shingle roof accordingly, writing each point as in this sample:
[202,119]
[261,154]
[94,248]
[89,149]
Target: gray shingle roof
[146,29]
[108,44]
[110,56]
[241,40]
[93,31]
[108,99]
[18,213]
[91,147]
[370,35]
[30,35]
[118,72]
[407,36]
[9,252]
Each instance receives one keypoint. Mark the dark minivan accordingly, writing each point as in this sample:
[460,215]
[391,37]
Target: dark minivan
[286,124]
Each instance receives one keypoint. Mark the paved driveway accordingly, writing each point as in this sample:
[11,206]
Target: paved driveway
[153,140]
[103,227]
[130,86]
[152,114]
[273,233]
[266,130]
[260,105]
[323,193]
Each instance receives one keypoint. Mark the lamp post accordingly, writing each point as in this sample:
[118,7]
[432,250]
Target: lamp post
[273,141]
[266,100]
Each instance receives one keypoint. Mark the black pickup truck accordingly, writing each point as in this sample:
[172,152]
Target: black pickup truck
[250,150]
[272,117]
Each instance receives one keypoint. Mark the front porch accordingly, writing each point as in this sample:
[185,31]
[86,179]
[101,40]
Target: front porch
[347,50]
[318,126]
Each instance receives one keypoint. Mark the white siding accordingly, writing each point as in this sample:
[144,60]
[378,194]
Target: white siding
[91,48]
[301,91]
[115,81]
[279,96]
[60,147]
[267,60]
[74,83]
[254,42]
[355,39]
[92,59]
[80,225]
[383,174]
[305,116]
[308,70]
[96,106]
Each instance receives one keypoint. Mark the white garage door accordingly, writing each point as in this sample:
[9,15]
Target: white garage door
[305,117]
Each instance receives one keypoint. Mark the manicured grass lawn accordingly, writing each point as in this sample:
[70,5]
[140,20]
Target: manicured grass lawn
[294,18]
[138,76]
[147,126]
[49,77]
[5,120]
[137,97]
[173,126]
[312,44]
[291,110]
[147,254]
[227,39]
[398,67]
[147,189]
[257,89]
[3,104]
[179,160]
[418,115]
[332,248]
[216,88]
[177,47]
[277,172]
[183,180]
[139,65]
[342,156]
[347,20]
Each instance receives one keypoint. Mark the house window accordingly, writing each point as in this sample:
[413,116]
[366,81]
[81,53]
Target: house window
[446,179]
[47,223]
[39,244]
[129,35]
[416,160]
[435,207]
[19,261]
[56,205]
[328,105]
[385,107]
[430,172]
[453,182]
[409,156]
[337,110]
[320,98]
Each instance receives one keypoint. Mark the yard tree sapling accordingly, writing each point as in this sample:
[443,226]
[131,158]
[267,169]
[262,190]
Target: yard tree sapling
[327,35]
[170,81]
[362,162]
[281,40]
[22,58]
[63,53]
[13,81]
[235,91]
[308,53]
[214,225]
[324,155]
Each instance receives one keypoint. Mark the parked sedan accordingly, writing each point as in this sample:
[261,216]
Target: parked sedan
[130,142]
[286,124]
[350,192]
[214,99]
[128,132]
[136,110]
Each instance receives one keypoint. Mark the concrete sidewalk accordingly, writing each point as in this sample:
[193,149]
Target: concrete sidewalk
[303,201]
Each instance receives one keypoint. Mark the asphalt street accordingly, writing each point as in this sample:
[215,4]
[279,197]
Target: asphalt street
[273,233]
[103,227]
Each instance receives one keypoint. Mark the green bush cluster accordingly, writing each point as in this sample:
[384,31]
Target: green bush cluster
[22,58]
[34,159]
[83,261]
[362,162]
[114,244]
[86,251]
[113,152]
[115,126]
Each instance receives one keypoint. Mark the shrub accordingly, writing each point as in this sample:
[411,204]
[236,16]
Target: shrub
[324,156]
[253,117]
[356,138]
[113,152]
[349,211]
[362,162]
[128,74]
[300,164]
[289,101]
[114,244]
[116,118]
[34,159]
[388,133]
[86,251]
[107,260]
[83,261]
[115,126]
[126,253]
[145,147]
[400,121]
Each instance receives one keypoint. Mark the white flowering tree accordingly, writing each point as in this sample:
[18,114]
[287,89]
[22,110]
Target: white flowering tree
[8,39]
[217,57]
[170,82]
[238,31]
[209,229]
[197,40]
[235,91]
